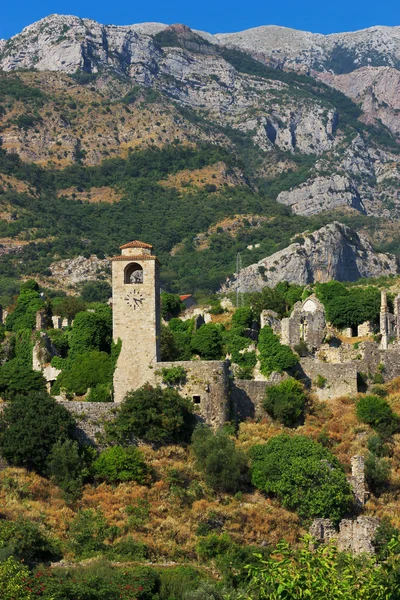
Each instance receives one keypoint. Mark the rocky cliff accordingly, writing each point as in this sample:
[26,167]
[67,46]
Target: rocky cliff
[332,252]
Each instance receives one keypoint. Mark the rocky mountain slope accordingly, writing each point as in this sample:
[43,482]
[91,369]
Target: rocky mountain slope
[296,125]
[332,252]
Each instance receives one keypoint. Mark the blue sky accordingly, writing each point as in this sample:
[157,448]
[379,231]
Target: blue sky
[214,16]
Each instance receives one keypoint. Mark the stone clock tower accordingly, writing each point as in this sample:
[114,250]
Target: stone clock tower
[136,316]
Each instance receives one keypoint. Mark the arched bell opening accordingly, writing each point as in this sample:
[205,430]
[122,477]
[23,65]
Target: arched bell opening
[133,273]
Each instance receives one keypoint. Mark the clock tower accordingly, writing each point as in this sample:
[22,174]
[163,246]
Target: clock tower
[136,316]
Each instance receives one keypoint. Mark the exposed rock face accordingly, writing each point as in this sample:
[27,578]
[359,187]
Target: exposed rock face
[322,193]
[80,269]
[377,90]
[300,50]
[332,252]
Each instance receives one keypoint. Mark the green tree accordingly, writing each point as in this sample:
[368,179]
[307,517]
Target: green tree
[68,307]
[17,378]
[96,291]
[171,305]
[66,467]
[28,303]
[207,342]
[25,540]
[12,580]
[118,464]
[225,468]
[29,428]
[91,331]
[305,476]
[285,402]
[376,412]
[153,414]
[86,371]
[274,356]
[319,574]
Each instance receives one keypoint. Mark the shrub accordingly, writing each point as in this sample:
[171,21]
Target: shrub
[87,533]
[377,471]
[171,305]
[24,540]
[225,468]
[17,378]
[29,428]
[91,331]
[100,393]
[207,342]
[285,402]
[66,468]
[154,415]
[383,536]
[86,371]
[376,412]
[28,303]
[274,356]
[118,464]
[176,582]
[12,580]
[173,375]
[305,476]
[129,549]
[243,317]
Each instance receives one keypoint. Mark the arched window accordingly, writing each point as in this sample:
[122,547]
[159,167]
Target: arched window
[133,273]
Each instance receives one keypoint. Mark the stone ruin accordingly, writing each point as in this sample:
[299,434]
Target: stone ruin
[353,535]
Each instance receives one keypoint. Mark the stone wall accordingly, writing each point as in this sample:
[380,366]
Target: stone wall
[341,379]
[90,418]
[206,384]
[247,396]
[353,536]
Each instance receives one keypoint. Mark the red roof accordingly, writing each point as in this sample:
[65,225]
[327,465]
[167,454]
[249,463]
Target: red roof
[136,244]
[185,297]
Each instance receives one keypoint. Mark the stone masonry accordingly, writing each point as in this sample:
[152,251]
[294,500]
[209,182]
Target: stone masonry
[136,316]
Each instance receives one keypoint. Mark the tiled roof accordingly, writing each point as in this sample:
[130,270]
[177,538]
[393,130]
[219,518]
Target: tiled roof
[136,244]
[185,296]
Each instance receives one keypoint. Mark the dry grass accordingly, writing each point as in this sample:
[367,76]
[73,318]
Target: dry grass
[94,195]
[218,174]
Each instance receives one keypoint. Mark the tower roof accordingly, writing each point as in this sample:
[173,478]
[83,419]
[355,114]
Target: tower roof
[136,244]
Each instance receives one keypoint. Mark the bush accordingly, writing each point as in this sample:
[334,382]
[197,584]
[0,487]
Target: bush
[154,415]
[29,428]
[285,402]
[304,475]
[17,378]
[207,342]
[13,576]
[171,305]
[243,317]
[274,356]
[173,375]
[100,393]
[377,471]
[25,541]
[118,464]
[86,371]
[66,468]
[28,303]
[225,468]
[91,331]
[376,412]
[176,582]
[88,532]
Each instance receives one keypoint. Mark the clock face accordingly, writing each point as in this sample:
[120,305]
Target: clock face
[134,299]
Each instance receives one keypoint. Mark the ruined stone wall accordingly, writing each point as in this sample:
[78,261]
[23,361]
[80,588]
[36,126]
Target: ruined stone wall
[353,536]
[341,379]
[90,418]
[247,396]
[206,384]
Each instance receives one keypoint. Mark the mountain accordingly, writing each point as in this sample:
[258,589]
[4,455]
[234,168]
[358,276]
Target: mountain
[201,144]
[332,252]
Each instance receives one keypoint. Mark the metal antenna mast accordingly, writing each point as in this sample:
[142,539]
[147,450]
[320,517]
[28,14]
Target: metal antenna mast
[239,295]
